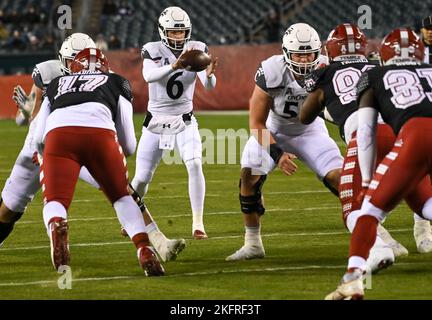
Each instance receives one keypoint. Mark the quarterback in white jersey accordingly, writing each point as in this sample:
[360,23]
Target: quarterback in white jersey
[170,122]
[277,134]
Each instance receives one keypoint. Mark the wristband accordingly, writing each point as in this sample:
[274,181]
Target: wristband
[275,152]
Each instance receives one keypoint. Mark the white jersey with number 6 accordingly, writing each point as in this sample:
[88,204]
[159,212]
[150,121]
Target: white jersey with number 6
[170,91]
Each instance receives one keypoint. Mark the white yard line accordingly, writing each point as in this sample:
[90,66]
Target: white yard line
[278,234]
[188,215]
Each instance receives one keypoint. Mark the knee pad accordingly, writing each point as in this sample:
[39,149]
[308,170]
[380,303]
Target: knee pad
[137,198]
[252,204]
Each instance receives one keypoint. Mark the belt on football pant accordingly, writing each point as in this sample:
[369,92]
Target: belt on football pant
[187,117]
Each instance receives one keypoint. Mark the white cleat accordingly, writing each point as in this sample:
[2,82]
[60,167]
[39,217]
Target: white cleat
[423,236]
[398,249]
[168,249]
[248,252]
[379,258]
[351,287]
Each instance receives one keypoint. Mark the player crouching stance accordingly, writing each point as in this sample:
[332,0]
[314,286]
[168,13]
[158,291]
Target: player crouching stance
[86,120]
[273,120]
[400,91]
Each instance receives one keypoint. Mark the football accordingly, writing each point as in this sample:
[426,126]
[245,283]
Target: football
[195,60]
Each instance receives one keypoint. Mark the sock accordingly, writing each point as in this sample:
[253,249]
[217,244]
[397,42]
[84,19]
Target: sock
[53,209]
[427,209]
[141,240]
[253,235]
[363,237]
[356,262]
[129,215]
[152,227]
[196,192]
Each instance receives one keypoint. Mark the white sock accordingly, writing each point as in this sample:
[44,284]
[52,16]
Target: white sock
[417,218]
[196,192]
[253,235]
[427,209]
[53,209]
[356,262]
[152,227]
[87,177]
[129,215]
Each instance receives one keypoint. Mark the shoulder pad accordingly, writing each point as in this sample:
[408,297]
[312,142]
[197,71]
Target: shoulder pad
[272,69]
[49,70]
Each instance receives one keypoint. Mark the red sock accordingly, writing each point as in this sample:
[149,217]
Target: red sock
[141,240]
[363,236]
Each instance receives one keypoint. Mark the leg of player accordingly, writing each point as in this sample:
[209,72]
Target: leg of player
[422,234]
[167,249]
[7,221]
[196,184]
[148,156]
[251,202]
[331,181]
[108,167]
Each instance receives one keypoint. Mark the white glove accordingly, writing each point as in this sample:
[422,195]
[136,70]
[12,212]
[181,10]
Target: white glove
[24,103]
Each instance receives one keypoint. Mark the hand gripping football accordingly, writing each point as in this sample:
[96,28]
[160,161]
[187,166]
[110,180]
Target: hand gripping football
[195,60]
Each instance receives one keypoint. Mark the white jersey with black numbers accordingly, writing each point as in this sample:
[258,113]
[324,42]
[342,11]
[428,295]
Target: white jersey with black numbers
[171,91]
[275,78]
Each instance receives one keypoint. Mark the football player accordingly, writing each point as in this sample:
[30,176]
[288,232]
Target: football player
[23,182]
[332,90]
[401,91]
[274,123]
[170,122]
[86,120]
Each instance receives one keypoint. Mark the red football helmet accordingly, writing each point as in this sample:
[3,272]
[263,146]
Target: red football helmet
[91,59]
[403,44]
[345,39]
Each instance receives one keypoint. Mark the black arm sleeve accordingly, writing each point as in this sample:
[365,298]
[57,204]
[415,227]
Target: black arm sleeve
[37,78]
[260,78]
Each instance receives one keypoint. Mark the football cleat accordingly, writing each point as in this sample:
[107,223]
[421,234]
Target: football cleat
[199,235]
[149,262]
[351,287]
[58,234]
[398,249]
[248,252]
[168,250]
[423,236]
[379,258]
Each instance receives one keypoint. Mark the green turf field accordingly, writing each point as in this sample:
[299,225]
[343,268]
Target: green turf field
[305,241]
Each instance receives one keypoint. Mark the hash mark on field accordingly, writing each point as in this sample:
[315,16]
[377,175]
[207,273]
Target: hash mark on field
[277,234]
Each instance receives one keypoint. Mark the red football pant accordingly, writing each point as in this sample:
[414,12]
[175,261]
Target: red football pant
[406,168]
[67,149]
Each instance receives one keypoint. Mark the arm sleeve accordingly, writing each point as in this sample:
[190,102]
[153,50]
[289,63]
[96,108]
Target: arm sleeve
[125,127]
[151,72]
[40,125]
[260,79]
[37,78]
[367,118]
[208,83]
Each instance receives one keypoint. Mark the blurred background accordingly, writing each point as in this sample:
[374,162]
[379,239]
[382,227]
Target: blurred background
[240,32]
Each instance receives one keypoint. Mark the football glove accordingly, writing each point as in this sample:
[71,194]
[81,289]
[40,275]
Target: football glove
[24,103]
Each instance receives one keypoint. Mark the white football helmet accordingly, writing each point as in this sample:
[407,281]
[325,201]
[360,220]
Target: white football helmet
[301,38]
[174,19]
[71,46]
